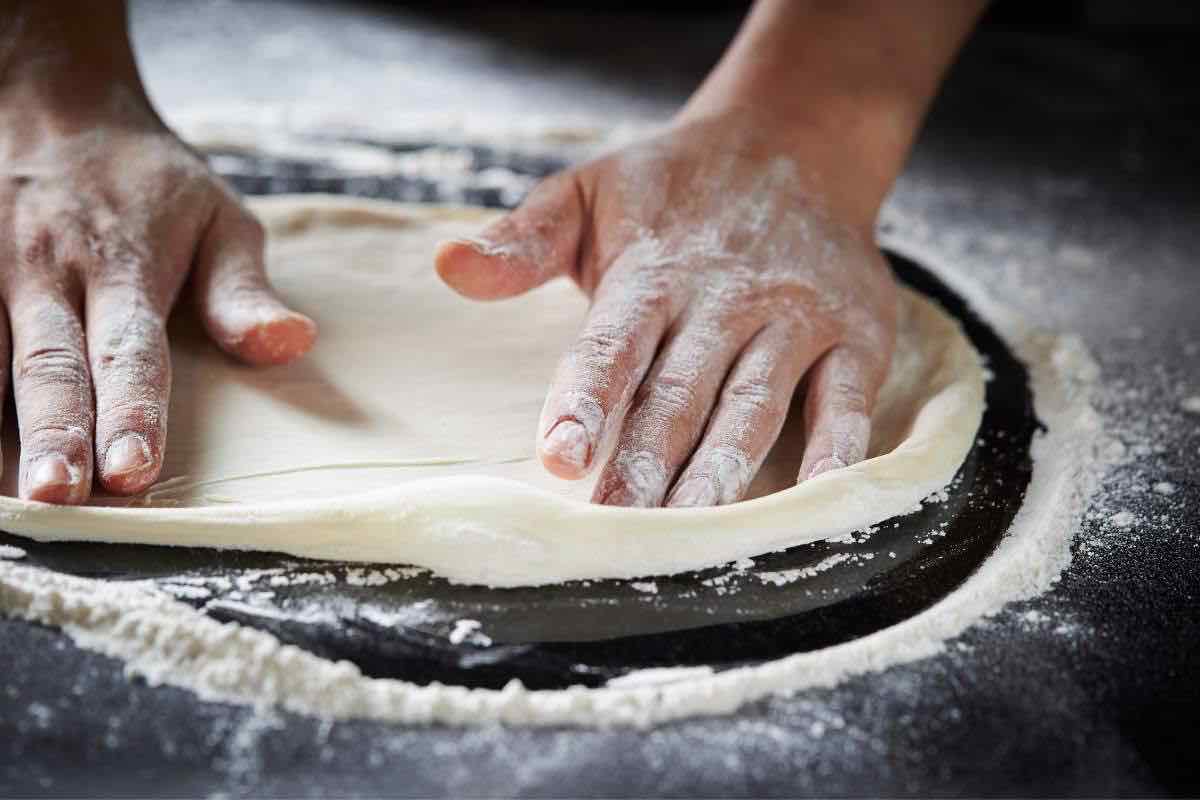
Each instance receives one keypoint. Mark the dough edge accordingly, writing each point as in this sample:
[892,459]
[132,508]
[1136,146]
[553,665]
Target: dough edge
[496,532]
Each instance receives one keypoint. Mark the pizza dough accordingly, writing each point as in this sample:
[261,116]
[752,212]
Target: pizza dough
[407,435]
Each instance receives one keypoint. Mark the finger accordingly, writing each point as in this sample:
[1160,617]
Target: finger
[522,250]
[668,415]
[131,372]
[837,409]
[240,310]
[53,394]
[750,412]
[596,379]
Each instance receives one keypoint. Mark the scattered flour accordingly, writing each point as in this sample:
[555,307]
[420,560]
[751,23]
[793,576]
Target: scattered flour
[1165,488]
[1035,617]
[657,676]
[648,587]
[164,641]
[357,576]
[10,552]
[1123,519]
[303,578]
[786,576]
[468,630]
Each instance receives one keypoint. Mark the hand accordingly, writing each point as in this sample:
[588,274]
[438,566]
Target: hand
[103,212]
[721,273]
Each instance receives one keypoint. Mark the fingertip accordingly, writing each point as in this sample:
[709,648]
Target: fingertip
[277,340]
[697,492]
[566,450]
[635,480]
[828,464]
[129,465]
[477,269]
[51,479]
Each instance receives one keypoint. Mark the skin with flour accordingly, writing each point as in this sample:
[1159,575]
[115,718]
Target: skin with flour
[727,259]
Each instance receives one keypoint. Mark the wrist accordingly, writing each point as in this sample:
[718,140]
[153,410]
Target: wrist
[851,151]
[59,54]
[843,85]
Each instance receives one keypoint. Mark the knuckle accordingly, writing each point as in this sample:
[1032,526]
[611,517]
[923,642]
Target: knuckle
[138,411]
[46,366]
[250,226]
[133,351]
[658,282]
[754,396]
[849,396]
[602,344]
[49,434]
[130,363]
[672,392]
[38,249]
[122,259]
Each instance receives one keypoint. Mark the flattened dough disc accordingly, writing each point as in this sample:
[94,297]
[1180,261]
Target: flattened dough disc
[407,435]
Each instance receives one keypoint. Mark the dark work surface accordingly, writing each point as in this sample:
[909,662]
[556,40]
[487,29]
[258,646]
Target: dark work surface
[1062,174]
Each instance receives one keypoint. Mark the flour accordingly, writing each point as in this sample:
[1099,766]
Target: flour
[378,577]
[10,552]
[468,629]
[1122,519]
[164,641]
[784,577]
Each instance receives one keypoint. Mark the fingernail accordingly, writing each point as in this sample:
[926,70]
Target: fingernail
[50,480]
[128,454]
[695,492]
[485,247]
[826,465]
[568,441]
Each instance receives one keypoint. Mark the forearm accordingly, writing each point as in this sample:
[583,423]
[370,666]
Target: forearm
[855,76]
[65,47]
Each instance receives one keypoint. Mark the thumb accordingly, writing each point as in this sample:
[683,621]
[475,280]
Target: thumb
[240,310]
[522,250]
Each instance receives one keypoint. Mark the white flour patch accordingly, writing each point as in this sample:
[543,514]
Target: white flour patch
[657,676]
[358,576]
[468,630]
[786,576]
[1123,519]
[10,552]
[186,591]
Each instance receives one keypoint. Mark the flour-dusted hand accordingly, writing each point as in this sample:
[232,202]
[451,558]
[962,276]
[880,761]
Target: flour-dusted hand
[103,214]
[720,276]
[731,257]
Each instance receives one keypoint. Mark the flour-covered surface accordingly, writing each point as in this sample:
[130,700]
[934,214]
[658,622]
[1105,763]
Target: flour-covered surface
[1059,179]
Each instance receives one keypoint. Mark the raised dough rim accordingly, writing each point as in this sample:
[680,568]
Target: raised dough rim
[557,538]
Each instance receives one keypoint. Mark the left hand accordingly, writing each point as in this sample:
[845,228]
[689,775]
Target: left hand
[722,270]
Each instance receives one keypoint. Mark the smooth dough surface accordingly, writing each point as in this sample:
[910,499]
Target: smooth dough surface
[407,435]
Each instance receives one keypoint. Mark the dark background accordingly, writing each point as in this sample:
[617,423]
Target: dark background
[1059,167]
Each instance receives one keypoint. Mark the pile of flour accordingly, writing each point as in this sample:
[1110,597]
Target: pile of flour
[164,641]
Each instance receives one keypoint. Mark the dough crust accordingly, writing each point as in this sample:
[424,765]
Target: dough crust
[407,435]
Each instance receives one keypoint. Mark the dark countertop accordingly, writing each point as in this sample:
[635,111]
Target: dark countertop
[1063,172]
